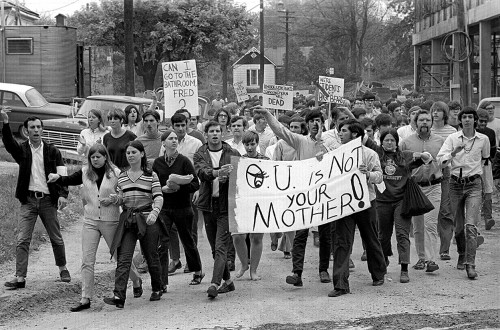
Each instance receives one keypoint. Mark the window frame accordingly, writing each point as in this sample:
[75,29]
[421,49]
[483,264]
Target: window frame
[7,39]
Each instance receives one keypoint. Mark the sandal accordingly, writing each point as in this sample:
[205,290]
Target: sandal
[197,279]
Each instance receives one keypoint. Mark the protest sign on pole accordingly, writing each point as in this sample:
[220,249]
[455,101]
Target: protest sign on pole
[180,87]
[278,97]
[241,91]
[277,196]
[333,86]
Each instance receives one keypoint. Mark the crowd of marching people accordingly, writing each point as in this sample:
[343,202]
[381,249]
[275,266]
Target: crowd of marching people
[142,184]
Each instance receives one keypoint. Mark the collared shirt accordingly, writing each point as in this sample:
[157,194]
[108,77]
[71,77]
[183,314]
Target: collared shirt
[432,169]
[37,177]
[405,132]
[264,137]
[187,147]
[91,136]
[239,146]
[171,159]
[469,160]
[331,138]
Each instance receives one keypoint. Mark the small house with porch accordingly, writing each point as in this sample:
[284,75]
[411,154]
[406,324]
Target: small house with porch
[246,69]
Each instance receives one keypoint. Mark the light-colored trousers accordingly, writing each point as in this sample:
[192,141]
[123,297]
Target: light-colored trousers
[91,235]
[425,226]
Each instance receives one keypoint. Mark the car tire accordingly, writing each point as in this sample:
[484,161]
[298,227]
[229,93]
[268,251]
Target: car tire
[22,132]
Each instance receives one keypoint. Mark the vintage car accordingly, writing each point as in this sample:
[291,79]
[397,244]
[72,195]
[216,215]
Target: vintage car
[64,133]
[25,101]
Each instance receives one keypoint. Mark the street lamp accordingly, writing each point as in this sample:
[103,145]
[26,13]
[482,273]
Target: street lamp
[282,9]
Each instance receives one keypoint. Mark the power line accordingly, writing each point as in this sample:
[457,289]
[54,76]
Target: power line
[69,4]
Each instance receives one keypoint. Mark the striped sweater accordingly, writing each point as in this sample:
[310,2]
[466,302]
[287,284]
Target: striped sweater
[144,191]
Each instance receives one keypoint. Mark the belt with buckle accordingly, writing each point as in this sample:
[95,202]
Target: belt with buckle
[465,179]
[37,194]
[429,183]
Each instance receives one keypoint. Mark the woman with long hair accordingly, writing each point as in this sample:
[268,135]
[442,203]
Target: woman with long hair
[140,195]
[223,117]
[133,120]
[397,167]
[117,140]
[99,179]
[92,134]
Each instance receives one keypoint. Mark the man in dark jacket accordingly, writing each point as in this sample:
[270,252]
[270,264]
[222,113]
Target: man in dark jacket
[36,160]
[212,164]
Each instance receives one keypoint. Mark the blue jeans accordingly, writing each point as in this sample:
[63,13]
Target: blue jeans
[389,216]
[149,247]
[445,218]
[466,207]
[30,210]
[217,228]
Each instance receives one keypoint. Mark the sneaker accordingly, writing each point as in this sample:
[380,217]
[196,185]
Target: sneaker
[489,224]
[351,264]
[431,267]
[404,278]
[479,240]
[65,277]
[225,288]
[363,256]
[212,291]
[324,277]
[155,296]
[294,279]
[420,265]
[445,256]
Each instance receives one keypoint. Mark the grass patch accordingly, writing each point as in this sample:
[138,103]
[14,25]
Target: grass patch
[10,210]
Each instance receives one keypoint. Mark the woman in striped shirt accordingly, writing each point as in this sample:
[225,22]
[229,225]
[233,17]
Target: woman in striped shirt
[139,193]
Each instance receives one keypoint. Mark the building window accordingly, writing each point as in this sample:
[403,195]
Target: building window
[252,77]
[16,46]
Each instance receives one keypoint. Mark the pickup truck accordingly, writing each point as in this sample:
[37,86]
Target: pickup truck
[25,101]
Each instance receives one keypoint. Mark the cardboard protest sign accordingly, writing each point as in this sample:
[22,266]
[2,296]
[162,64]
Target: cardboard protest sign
[180,87]
[279,97]
[333,86]
[241,91]
[271,196]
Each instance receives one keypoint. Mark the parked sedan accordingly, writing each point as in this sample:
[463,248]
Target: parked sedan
[26,101]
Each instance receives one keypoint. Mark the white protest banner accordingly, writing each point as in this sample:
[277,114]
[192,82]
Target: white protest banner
[333,86]
[241,91]
[180,87]
[279,97]
[272,196]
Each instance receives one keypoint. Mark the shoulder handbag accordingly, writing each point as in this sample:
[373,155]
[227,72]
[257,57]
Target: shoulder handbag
[414,201]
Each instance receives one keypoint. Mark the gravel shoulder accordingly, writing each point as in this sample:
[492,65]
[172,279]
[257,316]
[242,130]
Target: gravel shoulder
[445,298]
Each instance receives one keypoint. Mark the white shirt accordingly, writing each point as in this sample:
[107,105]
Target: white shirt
[188,146]
[215,158]
[37,175]
[91,136]
[405,132]
[469,160]
[331,138]
[239,146]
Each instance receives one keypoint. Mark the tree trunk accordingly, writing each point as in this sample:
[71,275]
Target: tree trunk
[354,37]
[223,66]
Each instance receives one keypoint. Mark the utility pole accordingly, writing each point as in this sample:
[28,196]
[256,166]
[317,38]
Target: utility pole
[261,71]
[465,93]
[287,49]
[128,16]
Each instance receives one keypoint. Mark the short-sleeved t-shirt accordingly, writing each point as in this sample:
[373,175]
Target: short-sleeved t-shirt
[117,147]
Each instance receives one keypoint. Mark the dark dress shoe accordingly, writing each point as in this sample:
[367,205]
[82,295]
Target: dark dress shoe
[212,292]
[225,288]
[14,284]
[114,301]
[138,291]
[80,307]
[294,279]
[378,282]
[471,271]
[65,277]
[338,292]
[173,266]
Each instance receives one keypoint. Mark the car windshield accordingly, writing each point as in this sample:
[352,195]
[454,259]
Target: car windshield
[104,106]
[35,99]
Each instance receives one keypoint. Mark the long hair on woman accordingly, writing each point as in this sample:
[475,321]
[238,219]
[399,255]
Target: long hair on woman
[144,161]
[108,165]
[399,159]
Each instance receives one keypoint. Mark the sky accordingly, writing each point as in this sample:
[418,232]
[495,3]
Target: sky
[67,7]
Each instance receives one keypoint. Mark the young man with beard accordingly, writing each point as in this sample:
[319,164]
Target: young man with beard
[212,163]
[440,126]
[466,152]
[365,220]
[306,147]
[428,176]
